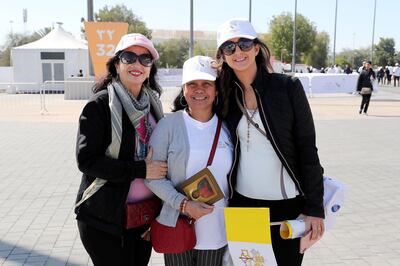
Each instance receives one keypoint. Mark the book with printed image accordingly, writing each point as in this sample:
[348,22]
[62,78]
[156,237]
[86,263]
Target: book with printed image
[202,187]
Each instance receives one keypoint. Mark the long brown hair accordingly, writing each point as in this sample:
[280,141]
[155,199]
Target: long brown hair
[227,76]
[112,73]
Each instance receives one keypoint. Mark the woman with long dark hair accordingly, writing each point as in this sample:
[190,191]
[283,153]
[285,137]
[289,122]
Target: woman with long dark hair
[276,163]
[112,152]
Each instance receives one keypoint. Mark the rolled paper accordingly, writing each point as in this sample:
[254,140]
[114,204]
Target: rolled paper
[292,229]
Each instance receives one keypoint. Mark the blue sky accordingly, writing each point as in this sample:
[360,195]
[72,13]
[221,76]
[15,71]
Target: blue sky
[354,20]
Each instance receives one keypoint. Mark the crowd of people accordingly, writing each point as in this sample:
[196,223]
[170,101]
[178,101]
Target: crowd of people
[250,127]
[385,75]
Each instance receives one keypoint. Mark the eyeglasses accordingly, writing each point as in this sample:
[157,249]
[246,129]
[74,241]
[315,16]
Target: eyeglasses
[145,60]
[229,47]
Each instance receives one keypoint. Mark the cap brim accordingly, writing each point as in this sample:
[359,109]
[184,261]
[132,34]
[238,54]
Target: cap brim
[152,50]
[247,36]
[198,76]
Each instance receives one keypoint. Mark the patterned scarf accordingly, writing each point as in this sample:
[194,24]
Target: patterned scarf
[138,113]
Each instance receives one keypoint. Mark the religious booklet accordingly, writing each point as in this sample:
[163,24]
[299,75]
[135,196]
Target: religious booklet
[202,187]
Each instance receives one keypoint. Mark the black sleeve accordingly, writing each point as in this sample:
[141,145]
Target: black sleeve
[359,82]
[94,136]
[310,170]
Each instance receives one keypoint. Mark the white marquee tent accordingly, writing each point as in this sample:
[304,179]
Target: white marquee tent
[56,56]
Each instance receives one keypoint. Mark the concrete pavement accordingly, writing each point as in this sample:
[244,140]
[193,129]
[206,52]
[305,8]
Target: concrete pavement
[39,180]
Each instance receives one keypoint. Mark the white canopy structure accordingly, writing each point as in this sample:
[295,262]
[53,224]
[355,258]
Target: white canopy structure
[56,56]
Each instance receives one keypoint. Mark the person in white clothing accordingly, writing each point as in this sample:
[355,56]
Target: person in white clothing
[396,75]
[184,139]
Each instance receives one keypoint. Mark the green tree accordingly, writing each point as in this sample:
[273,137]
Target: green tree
[384,52]
[173,53]
[18,39]
[281,36]
[318,55]
[354,57]
[120,13]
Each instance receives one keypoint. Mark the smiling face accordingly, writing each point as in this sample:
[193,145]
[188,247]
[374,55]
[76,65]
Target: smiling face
[200,96]
[133,75]
[241,61]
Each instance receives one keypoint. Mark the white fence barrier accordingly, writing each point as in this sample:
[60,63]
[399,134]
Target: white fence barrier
[14,96]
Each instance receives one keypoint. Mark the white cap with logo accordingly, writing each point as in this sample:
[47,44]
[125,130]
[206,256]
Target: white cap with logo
[235,28]
[199,68]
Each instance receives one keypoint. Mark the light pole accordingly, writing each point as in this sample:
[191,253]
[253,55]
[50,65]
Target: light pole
[334,37]
[250,10]
[11,27]
[373,34]
[294,38]
[354,35]
[90,18]
[191,30]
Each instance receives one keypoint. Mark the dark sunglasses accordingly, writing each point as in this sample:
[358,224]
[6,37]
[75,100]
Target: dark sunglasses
[145,60]
[229,47]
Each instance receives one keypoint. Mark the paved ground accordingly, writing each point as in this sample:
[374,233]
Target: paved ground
[39,180]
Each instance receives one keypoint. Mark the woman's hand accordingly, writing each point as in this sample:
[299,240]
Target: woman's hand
[315,224]
[155,169]
[198,209]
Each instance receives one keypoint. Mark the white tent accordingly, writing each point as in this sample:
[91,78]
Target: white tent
[56,56]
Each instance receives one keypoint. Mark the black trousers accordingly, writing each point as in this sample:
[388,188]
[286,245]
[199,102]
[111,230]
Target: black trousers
[196,257]
[365,102]
[107,249]
[286,251]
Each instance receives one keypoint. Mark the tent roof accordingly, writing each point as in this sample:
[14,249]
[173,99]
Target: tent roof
[58,38]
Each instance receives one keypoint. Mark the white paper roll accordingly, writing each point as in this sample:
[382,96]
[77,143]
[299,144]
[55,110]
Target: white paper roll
[292,229]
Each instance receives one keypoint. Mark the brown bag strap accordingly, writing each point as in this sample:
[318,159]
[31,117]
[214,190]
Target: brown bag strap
[251,121]
[214,146]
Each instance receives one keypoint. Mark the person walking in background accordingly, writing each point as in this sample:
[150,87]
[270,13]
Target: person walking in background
[396,75]
[112,145]
[388,76]
[276,163]
[184,139]
[364,86]
[348,70]
[380,75]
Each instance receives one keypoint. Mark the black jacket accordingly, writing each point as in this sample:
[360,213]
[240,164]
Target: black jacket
[105,209]
[364,80]
[288,122]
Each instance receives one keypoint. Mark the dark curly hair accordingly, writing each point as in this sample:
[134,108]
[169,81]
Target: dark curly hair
[227,75]
[112,73]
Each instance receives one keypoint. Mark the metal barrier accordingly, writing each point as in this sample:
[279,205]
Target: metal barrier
[55,92]
[18,96]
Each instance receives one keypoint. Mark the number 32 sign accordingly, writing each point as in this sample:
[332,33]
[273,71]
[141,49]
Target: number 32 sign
[102,38]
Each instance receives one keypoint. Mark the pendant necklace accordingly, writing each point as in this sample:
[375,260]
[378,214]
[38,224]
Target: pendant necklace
[250,116]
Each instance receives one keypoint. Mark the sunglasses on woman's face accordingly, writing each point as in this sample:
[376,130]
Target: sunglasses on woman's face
[229,47]
[145,60]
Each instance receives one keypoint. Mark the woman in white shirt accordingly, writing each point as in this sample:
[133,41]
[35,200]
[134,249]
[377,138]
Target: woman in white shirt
[276,164]
[184,139]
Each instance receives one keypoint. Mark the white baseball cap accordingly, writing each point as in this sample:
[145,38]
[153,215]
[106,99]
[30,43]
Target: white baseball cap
[235,28]
[136,39]
[199,68]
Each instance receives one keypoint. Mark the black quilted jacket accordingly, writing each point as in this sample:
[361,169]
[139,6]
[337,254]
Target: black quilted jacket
[287,118]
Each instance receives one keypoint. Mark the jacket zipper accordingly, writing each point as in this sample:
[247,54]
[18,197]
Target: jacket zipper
[233,165]
[273,140]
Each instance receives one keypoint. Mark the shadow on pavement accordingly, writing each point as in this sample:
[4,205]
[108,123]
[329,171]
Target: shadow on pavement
[17,254]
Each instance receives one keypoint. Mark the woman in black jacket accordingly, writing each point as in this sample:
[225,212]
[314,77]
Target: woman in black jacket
[112,145]
[276,164]
[364,86]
